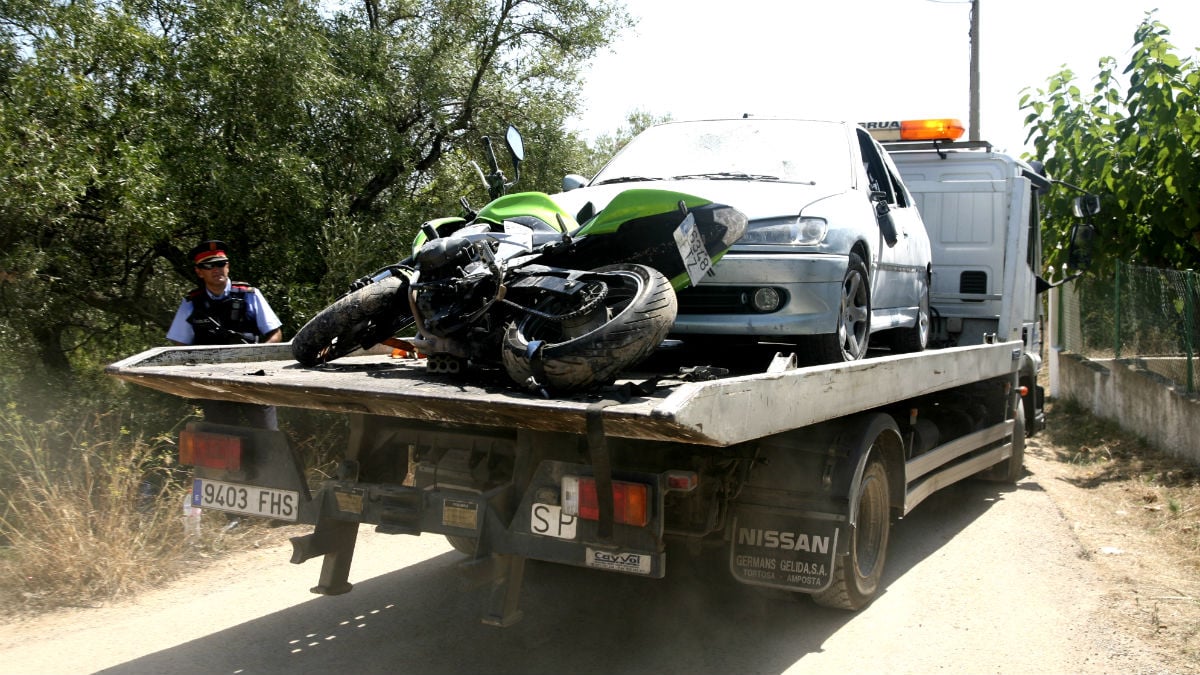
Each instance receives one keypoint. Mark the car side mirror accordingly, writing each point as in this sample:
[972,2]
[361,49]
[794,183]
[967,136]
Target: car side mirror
[573,181]
[883,216]
[880,202]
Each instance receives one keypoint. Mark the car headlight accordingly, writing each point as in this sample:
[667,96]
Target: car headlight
[799,231]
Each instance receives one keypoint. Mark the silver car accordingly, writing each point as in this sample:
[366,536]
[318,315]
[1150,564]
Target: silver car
[835,251]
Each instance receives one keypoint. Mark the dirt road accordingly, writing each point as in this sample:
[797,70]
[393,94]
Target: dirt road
[980,579]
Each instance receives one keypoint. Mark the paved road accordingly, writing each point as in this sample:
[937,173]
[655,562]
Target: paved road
[980,580]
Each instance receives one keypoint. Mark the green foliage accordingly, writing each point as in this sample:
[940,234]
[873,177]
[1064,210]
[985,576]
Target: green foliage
[1137,143]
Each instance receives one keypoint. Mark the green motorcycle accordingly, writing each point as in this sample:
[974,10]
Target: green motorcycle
[561,306]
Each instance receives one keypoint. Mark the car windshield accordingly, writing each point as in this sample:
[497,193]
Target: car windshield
[793,151]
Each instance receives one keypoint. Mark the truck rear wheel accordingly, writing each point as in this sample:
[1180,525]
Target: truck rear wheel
[1010,470]
[361,318]
[857,574]
[631,321]
[466,545]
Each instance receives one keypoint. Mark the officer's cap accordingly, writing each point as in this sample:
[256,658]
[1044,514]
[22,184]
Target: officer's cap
[209,251]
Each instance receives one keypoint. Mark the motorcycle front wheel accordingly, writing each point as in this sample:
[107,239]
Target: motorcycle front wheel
[591,347]
[359,319]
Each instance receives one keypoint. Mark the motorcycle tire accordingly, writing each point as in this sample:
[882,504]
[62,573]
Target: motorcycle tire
[358,319]
[625,328]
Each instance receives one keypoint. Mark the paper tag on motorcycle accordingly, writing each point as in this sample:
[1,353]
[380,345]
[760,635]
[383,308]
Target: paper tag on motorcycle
[691,247]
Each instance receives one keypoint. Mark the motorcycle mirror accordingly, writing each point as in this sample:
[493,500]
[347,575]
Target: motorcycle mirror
[516,145]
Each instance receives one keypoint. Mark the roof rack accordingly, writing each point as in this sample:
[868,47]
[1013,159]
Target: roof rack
[938,146]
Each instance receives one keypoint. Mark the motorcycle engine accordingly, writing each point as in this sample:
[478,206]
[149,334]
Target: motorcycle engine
[453,283]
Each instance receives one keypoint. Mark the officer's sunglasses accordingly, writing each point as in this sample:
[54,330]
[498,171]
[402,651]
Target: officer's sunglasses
[212,265]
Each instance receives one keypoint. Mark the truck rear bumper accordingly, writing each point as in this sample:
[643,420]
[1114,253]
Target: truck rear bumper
[499,521]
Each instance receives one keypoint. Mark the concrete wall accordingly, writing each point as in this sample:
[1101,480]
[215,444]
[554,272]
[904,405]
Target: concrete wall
[1141,401]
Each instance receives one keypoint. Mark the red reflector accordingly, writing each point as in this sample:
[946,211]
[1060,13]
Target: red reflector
[683,481]
[630,500]
[213,451]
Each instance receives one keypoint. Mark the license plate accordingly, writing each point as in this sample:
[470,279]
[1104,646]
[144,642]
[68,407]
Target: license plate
[692,249]
[548,520]
[250,500]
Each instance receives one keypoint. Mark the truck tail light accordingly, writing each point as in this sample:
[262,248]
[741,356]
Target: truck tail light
[630,500]
[212,451]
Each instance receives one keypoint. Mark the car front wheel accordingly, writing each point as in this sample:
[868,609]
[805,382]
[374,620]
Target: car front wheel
[849,342]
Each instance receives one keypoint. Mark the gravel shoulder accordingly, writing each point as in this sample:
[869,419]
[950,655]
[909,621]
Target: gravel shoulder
[1149,581]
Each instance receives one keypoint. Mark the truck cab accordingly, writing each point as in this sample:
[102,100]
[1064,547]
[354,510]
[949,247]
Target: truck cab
[982,210]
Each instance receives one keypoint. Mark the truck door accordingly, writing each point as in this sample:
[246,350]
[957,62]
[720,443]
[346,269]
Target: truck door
[1018,308]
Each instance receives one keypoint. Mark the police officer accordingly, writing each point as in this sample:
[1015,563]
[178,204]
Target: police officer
[219,312]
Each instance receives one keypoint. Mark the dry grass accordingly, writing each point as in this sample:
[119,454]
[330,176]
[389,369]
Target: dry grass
[78,523]
[90,511]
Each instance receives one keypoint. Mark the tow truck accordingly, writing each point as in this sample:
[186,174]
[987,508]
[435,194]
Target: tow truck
[792,474]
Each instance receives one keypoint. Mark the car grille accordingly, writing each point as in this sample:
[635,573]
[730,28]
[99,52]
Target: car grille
[721,300]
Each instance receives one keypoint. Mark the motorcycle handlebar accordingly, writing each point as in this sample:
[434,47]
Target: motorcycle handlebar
[494,180]
[490,152]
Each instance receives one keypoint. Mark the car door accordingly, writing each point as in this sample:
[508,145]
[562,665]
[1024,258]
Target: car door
[894,272]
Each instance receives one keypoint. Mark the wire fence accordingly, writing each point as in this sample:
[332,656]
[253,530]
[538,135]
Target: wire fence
[1143,313]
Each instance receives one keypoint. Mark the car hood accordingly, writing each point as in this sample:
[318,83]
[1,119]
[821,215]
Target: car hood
[756,199]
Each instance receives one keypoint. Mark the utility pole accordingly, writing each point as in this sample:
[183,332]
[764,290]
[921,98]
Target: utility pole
[973,36]
[974,109]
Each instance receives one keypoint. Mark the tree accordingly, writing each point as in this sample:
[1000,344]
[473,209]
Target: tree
[314,144]
[1139,148]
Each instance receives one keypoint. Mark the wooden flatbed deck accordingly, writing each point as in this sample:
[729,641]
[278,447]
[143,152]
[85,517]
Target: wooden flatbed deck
[717,412]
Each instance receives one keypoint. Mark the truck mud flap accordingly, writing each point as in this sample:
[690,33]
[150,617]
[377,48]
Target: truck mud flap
[783,548]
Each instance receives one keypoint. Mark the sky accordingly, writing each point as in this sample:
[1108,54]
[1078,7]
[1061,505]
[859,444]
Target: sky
[860,60]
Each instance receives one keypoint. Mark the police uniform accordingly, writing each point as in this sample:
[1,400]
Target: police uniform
[237,315]
[240,315]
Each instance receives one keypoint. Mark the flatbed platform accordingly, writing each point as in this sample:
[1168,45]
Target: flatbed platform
[717,412]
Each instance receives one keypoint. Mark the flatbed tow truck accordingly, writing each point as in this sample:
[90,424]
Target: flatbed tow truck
[793,473]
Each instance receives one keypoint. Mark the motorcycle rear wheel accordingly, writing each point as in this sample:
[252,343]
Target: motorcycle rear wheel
[629,324]
[358,319]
